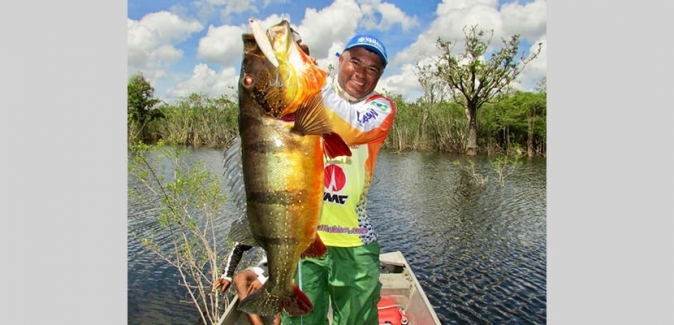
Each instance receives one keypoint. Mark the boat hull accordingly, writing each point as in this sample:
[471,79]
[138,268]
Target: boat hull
[399,286]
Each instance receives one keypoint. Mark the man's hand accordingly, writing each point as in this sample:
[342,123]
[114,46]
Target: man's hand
[254,285]
[223,284]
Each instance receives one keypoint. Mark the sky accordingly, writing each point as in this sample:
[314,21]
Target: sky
[194,46]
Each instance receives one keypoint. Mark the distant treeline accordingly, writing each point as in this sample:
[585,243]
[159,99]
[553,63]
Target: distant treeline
[515,124]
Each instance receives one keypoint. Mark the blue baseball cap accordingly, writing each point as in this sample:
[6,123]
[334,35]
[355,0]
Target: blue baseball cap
[371,43]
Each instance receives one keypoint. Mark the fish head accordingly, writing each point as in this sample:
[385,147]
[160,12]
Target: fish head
[277,76]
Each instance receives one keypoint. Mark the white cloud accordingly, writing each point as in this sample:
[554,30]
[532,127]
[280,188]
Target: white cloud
[529,20]
[237,6]
[326,31]
[151,42]
[452,17]
[221,45]
[329,28]
[167,53]
[536,69]
[383,15]
[208,81]
[207,8]
[404,83]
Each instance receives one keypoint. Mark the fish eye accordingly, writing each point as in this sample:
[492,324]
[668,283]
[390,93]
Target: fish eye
[247,80]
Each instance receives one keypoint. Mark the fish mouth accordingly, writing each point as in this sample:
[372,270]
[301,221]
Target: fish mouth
[275,72]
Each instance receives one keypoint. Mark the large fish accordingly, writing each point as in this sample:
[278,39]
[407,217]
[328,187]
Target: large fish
[284,134]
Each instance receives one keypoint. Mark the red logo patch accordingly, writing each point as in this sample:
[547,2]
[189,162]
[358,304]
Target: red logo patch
[334,178]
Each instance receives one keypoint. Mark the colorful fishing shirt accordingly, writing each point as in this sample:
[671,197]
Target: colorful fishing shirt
[364,125]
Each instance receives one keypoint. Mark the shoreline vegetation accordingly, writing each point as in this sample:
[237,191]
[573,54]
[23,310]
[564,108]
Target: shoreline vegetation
[514,125]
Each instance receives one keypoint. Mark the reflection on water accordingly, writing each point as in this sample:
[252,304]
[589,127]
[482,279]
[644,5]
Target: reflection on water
[478,251]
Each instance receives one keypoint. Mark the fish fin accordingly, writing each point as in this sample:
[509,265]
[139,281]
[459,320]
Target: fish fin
[260,302]
[240,232]
[233,166]
[316,249]
[311,118]
[297,304]
[334,145]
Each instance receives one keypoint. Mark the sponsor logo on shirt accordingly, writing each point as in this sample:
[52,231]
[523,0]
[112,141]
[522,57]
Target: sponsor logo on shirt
[365,117]
[342,230]
[383,107]
[334,180]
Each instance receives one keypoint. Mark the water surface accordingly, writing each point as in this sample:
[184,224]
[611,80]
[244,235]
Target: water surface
[479,251]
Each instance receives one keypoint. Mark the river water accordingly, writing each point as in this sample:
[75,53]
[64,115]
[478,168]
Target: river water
[478,250]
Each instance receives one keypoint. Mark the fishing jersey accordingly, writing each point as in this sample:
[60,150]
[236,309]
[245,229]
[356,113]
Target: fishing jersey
[364,126]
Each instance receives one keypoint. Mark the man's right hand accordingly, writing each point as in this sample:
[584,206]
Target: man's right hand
[223,284]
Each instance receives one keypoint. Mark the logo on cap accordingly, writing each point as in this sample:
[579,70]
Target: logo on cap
[370,42]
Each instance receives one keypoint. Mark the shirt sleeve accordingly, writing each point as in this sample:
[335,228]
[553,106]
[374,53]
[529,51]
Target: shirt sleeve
[233,260]
[366,123]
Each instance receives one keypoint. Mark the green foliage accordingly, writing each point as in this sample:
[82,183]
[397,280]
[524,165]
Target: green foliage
[518,120]
[199,120]
[140,101]
[507,127]
[447,127]
[475,79]
[468,167]
[405,133]
[505,166]
[191,205]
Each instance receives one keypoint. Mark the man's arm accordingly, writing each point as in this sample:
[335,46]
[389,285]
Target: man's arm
[232,262]
[369,123]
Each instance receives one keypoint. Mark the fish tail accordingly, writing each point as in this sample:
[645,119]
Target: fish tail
[297,304]
[260,302]
[316,249]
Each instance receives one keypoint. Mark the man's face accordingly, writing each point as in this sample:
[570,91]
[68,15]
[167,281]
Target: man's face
[359,71]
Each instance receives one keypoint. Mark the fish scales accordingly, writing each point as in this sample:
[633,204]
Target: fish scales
[281,128]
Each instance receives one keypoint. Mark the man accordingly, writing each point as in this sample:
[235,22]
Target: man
[348,275]
[246,281]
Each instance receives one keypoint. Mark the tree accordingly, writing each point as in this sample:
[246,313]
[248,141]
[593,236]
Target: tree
[140,101]
[434,93]
[190,206]
[475,80]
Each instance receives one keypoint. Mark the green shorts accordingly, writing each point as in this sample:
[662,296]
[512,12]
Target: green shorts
[349,276]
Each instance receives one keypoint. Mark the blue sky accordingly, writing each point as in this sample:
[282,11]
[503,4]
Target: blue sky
[195,46]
